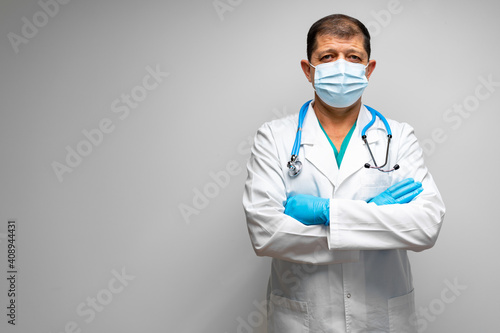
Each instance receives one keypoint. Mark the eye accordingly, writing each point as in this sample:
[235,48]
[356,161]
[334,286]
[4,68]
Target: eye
[327,58]
[354,58]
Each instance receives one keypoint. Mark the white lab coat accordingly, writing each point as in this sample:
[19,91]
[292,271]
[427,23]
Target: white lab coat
[354,275]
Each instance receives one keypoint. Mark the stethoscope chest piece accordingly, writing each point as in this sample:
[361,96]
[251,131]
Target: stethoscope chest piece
[294,166]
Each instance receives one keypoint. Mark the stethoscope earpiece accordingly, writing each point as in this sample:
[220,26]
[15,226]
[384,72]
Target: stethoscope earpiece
[395,167]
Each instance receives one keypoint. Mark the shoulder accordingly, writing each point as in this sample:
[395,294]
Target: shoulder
[403,135]
[399,128]
[280,128]
[401,131]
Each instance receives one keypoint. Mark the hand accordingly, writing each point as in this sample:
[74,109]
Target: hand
[308,209]
[400,193]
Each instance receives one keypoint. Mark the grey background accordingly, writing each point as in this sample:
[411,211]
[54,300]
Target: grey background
[228,72]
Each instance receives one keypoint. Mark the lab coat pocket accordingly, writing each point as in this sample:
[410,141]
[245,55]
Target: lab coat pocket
[287,316]
[401,313]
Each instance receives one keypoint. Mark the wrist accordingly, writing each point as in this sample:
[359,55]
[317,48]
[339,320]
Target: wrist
[326,212]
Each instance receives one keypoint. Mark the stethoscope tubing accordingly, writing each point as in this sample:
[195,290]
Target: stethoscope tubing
[376,114]
[298,136]
[295,166]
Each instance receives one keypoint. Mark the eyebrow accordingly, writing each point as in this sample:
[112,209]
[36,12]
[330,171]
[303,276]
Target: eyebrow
[350,50]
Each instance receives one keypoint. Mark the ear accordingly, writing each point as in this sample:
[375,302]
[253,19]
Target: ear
[371,67]
[306,69]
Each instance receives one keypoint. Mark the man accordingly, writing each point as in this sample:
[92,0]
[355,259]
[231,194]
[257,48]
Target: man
[339,230]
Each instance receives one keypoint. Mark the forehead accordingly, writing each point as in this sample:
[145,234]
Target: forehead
[328,42]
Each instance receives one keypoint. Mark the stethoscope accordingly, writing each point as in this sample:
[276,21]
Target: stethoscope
[295,166]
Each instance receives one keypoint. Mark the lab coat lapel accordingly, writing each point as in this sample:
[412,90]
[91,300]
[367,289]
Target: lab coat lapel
[317,150]
[357,154]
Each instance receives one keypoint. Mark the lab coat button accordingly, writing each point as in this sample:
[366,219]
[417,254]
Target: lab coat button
[348,295]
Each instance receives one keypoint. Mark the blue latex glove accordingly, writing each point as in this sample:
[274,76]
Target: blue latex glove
[308,209]
[400,193]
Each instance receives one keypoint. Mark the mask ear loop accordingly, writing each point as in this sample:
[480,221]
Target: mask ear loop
[314,87]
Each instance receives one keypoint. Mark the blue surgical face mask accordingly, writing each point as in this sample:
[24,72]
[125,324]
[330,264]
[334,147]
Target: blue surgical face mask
[340,83]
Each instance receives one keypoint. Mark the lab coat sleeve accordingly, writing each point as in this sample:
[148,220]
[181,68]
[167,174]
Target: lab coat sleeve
[273,233]
[355,224]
